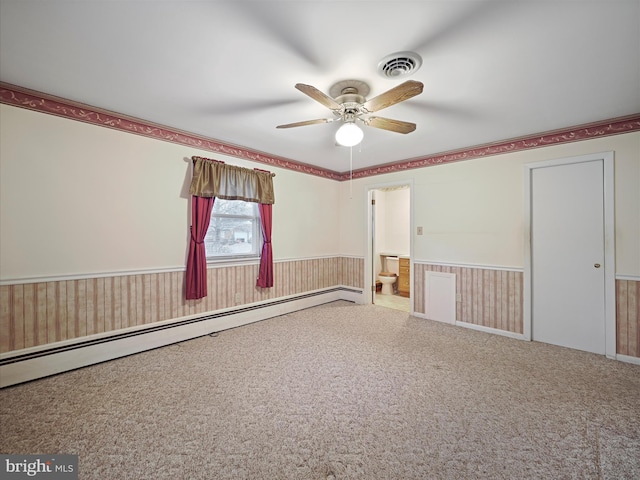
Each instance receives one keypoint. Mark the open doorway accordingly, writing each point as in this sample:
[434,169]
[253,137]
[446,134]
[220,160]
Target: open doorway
[388,266]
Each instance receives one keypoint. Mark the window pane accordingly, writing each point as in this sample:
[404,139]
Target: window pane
[235,207]
[234,229]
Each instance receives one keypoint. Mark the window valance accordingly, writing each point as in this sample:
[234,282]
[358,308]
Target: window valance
[212,178]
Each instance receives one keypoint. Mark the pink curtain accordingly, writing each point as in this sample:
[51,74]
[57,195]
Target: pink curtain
[196,278]
[265,276]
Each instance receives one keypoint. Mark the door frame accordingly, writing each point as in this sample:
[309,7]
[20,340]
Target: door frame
[609,243]
[369,281]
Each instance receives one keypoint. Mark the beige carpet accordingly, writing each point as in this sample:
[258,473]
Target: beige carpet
[341,391]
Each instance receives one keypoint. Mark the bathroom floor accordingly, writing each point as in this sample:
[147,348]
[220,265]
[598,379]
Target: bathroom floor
[393,301]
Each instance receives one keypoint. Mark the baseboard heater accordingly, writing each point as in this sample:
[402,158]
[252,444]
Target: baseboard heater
[38,362]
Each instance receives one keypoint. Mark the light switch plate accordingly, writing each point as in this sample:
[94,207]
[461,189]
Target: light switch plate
[419,230]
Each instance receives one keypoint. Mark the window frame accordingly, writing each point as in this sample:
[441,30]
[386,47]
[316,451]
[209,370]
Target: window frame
[257,235]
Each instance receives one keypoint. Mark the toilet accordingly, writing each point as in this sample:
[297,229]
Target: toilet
[390,275]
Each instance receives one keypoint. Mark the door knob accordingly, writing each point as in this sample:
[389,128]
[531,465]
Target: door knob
[597,265]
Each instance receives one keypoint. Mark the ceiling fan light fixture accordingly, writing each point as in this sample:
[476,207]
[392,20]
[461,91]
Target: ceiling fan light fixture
[349,135]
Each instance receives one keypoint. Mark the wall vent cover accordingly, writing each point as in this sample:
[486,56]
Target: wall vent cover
[399,64]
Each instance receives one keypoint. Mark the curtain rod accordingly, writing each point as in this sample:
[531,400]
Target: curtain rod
[194,158]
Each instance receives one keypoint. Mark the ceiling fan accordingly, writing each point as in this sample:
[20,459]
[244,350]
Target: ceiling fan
[347,100]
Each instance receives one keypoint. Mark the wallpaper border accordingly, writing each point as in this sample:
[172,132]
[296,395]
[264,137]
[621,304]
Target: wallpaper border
[41,102]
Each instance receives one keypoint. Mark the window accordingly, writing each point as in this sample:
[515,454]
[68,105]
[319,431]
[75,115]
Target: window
[234,230]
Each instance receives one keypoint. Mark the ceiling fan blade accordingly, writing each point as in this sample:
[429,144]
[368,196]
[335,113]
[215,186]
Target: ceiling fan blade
[389,124]
[307,122]
[398,94]
[318,96]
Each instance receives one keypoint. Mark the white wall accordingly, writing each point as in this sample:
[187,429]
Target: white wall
[84,199]
[392,224]
[397,235]
[379,230]
[472,211]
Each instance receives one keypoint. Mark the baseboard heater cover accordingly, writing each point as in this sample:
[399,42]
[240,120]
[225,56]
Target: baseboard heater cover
[20,368]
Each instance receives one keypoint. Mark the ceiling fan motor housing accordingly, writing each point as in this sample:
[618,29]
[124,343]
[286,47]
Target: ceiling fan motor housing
[349,91]
[351,100]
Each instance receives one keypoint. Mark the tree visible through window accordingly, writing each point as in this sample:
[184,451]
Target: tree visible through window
[234,230]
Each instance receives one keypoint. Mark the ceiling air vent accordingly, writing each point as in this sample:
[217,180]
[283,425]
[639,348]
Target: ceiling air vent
[399,64]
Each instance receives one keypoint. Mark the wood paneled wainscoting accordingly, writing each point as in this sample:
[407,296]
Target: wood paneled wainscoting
[44,312]
[65,314]
[628,317]
[493,299]
[490,298]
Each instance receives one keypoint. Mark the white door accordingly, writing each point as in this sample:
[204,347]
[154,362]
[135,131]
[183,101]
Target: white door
[567,255]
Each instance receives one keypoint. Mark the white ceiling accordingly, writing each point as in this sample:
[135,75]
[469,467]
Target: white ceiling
[492,70]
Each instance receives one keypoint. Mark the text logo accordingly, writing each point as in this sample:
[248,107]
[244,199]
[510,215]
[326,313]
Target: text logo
[49,467]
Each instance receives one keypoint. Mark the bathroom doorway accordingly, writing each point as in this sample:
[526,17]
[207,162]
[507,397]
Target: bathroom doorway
[390,245]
